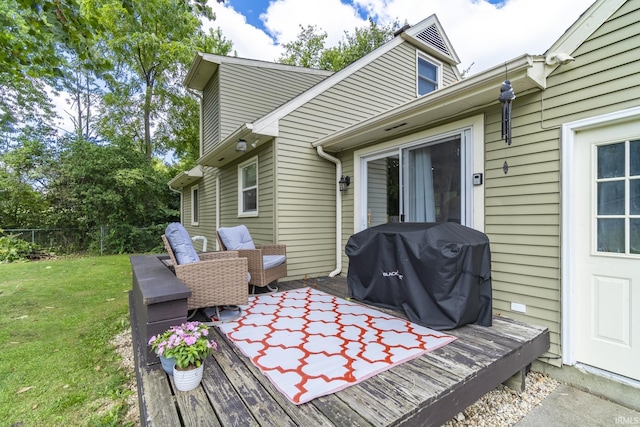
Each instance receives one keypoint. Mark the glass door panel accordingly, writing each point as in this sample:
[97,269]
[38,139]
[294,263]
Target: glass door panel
[433,190]
[382,190]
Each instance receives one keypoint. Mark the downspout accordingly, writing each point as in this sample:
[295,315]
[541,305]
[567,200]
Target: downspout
[217,208]
[338,164]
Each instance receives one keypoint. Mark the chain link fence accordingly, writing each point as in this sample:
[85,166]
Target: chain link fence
[103,240]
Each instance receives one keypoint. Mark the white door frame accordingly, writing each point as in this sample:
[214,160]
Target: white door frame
[568,291]
[475,126]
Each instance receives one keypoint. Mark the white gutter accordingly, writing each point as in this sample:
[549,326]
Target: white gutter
[338,164]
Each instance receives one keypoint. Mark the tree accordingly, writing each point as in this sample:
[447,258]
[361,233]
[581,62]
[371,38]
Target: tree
[309,49]
[92,185]
[22,178]
[149,43]
[354,46]
[32,37]
[31,34]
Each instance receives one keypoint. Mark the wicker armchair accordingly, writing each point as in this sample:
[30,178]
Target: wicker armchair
[259,257]
[218,279]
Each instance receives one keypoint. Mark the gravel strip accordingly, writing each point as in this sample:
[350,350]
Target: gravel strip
[124,347]
[501,407]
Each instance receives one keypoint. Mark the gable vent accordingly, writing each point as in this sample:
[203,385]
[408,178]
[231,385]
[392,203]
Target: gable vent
[431,36]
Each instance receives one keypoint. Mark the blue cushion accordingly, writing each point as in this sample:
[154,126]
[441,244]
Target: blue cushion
[270,261]
[180,242]
[236,238]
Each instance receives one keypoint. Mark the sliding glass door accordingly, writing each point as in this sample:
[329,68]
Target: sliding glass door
[427,181]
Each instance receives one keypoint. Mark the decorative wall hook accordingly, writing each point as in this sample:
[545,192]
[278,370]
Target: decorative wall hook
[506,96]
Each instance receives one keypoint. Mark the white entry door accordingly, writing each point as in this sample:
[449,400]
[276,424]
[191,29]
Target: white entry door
[606,248]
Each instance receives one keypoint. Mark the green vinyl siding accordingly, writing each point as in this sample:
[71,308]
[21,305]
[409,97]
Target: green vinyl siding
[523,207]
[238,94]
[211,115]
[248,93]
[207,211]
[261,227]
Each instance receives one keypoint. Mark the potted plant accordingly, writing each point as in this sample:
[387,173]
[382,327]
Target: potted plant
[188,345]
[159,344]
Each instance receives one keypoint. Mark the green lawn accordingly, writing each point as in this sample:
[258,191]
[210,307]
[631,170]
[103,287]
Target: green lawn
[57,317]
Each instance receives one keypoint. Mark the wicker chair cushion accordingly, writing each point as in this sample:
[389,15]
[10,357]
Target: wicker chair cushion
[270,261]
[236,238]
[180,242]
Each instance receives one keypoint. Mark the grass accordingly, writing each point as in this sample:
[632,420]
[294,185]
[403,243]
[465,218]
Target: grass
[57,317]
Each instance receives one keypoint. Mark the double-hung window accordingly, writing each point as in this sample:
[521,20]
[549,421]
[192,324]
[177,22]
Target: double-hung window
[195,205]
[428,75]
[248,188]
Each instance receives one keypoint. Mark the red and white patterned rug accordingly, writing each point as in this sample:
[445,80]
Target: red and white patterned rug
[310,344]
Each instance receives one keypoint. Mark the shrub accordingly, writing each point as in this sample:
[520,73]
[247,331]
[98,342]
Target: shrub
[12,248]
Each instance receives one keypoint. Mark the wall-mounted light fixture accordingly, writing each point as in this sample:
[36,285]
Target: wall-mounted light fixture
[241,146]
[344,182]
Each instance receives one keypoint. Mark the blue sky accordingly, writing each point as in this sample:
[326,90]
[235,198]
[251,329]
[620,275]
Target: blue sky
[484,33]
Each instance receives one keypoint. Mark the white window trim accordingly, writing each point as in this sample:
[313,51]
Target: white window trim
[241,166]
[195,216]
[432,60]
[476,126]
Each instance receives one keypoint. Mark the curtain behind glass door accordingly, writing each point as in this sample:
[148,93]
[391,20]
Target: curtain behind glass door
[433,191]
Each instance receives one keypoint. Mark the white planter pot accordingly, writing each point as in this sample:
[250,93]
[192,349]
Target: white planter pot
[189,379]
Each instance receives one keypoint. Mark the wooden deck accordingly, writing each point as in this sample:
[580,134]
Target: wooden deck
[427,391]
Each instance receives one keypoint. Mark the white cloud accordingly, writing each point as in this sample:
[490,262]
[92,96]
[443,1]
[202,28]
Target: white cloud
[481,33]
[283,19]
[248,41]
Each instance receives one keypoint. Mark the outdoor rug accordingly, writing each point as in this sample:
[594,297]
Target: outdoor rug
[310,344]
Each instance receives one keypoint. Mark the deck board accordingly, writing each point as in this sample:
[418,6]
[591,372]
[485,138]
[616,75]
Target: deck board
[428,390]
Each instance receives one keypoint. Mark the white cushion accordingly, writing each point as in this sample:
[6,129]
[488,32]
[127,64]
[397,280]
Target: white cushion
[180,242]
[270,261]
[236,238]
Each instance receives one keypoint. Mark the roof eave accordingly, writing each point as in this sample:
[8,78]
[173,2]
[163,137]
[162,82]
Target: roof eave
[187,177]
[225,152]
[526,73]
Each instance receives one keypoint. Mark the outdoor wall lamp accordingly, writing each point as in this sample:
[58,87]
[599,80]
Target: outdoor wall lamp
[344,182]
[241,146]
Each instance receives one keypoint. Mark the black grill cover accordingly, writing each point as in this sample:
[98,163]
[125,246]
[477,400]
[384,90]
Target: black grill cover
[439,274]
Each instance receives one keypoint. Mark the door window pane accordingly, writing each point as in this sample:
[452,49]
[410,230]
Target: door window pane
[634,197]
[611,236]
[611,198]
[611,161]
[634,236]
[634,158]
